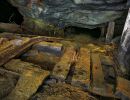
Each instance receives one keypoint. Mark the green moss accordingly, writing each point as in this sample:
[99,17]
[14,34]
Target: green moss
[38,26]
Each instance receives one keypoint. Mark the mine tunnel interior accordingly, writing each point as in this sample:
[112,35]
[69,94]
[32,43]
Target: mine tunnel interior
[94,32]
[9,13]
[80,65]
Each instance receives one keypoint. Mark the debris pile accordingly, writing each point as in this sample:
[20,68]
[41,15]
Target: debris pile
[42,68]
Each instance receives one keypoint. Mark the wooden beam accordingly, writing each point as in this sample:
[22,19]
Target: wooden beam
[7,27]
[81,76]
[110,31]
[28,84]
[98,83]
[14,51]
[62,68]
[123,88]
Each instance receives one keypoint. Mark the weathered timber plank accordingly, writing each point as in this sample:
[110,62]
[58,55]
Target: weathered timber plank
[17,50]
[109,69]
[98,77]
[28,84]
[4,71]
[14,50]
[50,47]
[62,68]
[106,60]
[98,83]
[4,44]
[18,66]
[81,76]
[123,88]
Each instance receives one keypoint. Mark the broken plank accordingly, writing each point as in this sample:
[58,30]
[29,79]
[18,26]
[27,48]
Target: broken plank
[98,83]
[108,69]
[14,50]
[19,49]
[28,84]
[62,68]
[106,60]
[4,71]
[123,88]
[8,27]
[18,66]
[81,76]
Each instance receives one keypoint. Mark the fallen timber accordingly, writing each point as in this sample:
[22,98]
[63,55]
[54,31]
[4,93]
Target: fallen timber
[79,58]
[62,68]
[81,75]
[28,84]
[17,50]
[2,70]
[14,28]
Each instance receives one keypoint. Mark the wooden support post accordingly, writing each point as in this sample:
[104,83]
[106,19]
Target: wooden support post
[103,30]
[110,31]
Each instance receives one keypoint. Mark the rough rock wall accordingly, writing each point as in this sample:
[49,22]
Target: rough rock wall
[80,13]
[124,50]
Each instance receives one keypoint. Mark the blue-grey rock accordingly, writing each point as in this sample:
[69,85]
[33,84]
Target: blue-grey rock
[80,13]
[124,49]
